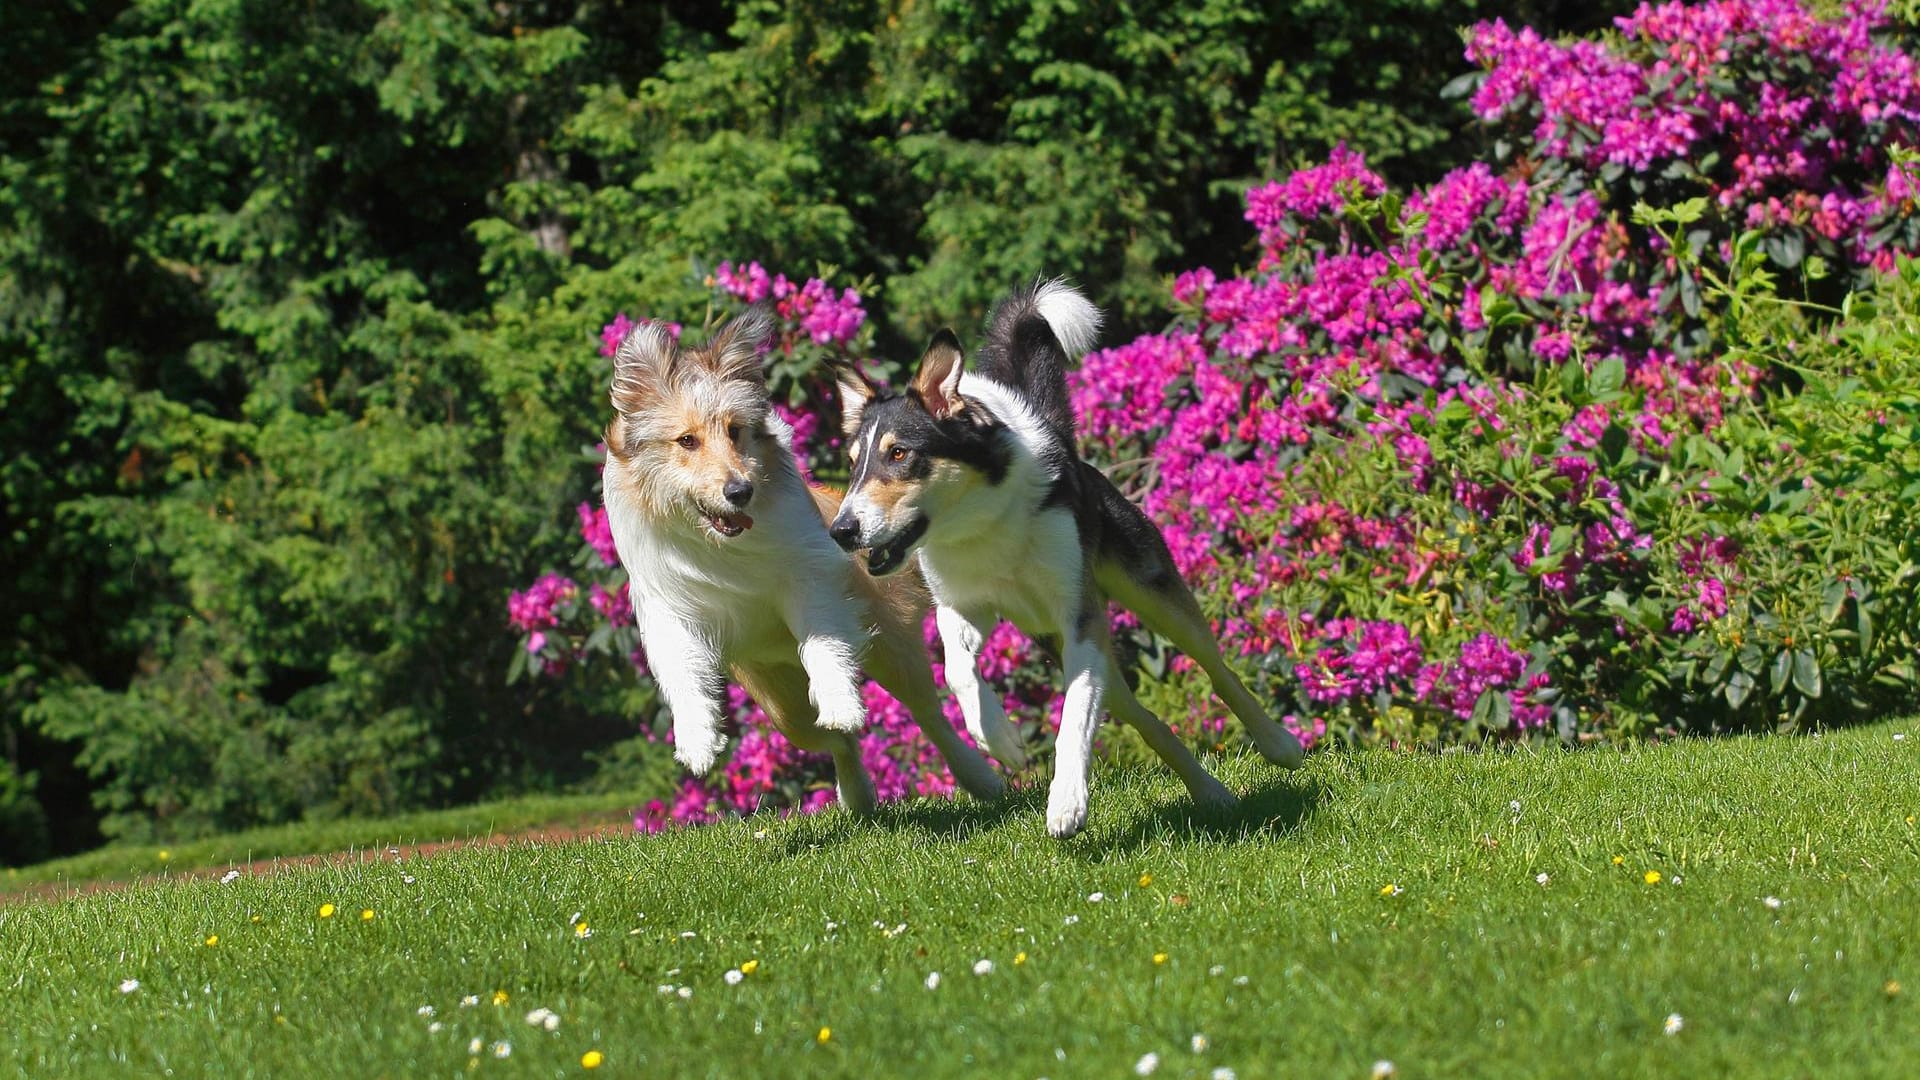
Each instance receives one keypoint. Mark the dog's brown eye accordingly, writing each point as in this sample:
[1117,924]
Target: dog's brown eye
[898,453]
[688,442]
[733,432]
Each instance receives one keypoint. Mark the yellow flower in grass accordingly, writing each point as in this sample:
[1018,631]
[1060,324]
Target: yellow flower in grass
[212,940]
[163,854]
[1391,890]
[1159,958]
[326,911]
[1019,958]
[499,997]
[1619,860]
[592,1059]
[1651,877]
[1146,880]
[825,1034]
[1892,989]
[366,914]
[749,967]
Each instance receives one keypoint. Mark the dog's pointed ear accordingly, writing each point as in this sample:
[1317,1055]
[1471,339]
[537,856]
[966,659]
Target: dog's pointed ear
[938,381]
[856,390]
[736,350]
[640,366]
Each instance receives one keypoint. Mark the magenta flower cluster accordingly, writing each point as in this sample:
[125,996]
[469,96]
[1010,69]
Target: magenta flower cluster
[812,306]
[1369,314]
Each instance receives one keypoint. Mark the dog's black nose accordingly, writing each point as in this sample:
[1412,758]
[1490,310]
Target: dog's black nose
[845,532]
[738,492]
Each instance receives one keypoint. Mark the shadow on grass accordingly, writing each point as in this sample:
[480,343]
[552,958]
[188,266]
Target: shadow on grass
[1275,806]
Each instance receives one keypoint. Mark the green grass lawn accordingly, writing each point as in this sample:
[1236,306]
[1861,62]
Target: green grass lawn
[509,816]
[1374,906]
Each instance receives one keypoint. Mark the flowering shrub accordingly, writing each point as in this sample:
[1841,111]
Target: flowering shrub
[1422,459]
[1505,455]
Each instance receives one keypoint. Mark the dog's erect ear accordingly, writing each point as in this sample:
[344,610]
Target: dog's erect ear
[938,382]
[640,366]
[855,391]
[735,351]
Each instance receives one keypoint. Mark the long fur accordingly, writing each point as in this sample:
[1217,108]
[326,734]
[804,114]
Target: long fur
[775,604]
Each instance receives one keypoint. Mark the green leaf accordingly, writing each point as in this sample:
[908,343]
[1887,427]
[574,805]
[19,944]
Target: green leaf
[1806,673]
[1609,375]
[1739,688]
[1778,674]
[1833,600]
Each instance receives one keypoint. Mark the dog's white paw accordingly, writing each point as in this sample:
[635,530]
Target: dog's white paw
[1277,744]
[698,749]
[1066,807]
[842,712]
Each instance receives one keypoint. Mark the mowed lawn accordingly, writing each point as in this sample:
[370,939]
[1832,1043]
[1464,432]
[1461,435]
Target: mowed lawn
[1501,914]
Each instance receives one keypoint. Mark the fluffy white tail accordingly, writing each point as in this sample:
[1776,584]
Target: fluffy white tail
[1074,319]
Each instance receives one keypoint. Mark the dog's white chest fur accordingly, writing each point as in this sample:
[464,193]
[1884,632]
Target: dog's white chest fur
[1028,572]
[735,591]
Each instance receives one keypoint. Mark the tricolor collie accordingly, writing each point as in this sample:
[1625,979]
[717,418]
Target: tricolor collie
[730,568]
[977,473]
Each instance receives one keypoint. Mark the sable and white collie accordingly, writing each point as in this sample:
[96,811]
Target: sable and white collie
[730,568]
[978,473]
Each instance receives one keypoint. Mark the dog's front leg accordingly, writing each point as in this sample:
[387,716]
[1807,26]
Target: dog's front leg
[1085,661]
[962,638]
[830,639]
[687,668]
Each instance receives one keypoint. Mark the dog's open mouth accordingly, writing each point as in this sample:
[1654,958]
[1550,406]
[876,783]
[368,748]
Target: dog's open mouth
[729,525]
[883,559]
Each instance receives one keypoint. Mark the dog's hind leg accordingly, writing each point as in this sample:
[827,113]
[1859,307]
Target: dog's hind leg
[1168,609]
[782,692]
[898,662]
[1207,792]
[962,637]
